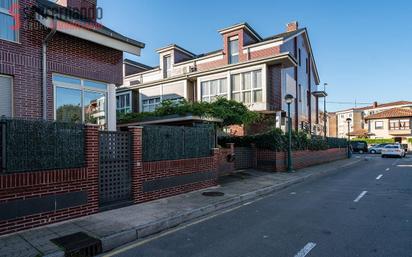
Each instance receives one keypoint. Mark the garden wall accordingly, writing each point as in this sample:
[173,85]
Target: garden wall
[158,179]
[31,199]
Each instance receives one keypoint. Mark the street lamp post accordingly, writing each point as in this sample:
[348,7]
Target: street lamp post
[348,120]
[289,100]
[324,110]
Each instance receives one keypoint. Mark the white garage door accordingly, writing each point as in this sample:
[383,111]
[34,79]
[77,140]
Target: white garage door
[5,96]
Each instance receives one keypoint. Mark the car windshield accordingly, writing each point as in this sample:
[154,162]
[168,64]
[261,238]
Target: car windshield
[392,146]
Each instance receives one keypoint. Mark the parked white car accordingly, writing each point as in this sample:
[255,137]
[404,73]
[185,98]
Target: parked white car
[393,150]
[377,148]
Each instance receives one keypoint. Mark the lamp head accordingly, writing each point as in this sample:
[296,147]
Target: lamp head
[289,98]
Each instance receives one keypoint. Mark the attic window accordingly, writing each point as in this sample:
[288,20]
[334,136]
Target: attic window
[233,50]
[167,66]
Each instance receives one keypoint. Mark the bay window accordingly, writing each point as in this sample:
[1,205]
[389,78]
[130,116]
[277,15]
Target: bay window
[233,50]
[212,89]
[8,31]
[80,100]
[150,104]
[123,102]
[402,124]
[247,87]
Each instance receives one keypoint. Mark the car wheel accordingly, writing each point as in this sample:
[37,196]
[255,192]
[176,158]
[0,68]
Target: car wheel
[373,152]
[383,156]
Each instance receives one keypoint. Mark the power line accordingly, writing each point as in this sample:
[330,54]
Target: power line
[351,103]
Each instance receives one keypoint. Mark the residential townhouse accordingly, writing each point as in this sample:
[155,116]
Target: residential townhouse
[358,125]
[256,71]
[57,62]
[394,123]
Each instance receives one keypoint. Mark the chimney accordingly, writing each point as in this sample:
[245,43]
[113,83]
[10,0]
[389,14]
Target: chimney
[292,26]
[375,104]
[87,8]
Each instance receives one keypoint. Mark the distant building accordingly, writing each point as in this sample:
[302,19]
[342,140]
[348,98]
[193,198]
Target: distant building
[393,123]
[358,125]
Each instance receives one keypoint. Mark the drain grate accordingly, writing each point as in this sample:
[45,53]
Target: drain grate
[213,193]
[79,245]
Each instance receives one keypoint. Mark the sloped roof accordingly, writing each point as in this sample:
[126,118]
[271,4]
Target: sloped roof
[391,113]
[48,8]
[396,103]
[143,66]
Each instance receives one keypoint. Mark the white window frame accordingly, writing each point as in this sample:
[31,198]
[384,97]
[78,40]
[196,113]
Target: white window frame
[252,86]
[149,105]
[11,93]
[230,50]
[16,32]
[219,89]
[126,109]
[82,88]
[380,122]
[167,71]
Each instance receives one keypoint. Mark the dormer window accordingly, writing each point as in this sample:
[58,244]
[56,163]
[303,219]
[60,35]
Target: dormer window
[233,50]
[167,66]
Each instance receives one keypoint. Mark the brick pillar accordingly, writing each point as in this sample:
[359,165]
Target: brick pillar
[216,158]
[137,163]
[92,165]
[231,146]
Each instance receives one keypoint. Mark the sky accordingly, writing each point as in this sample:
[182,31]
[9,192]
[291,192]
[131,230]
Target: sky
[362,48]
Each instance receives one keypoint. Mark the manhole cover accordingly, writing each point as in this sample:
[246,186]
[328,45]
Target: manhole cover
[213,193]
[79,245]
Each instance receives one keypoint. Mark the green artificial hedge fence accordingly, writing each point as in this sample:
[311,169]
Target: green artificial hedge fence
[276,140]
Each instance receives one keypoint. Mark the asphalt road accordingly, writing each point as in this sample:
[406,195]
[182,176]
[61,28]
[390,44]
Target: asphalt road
[365,210]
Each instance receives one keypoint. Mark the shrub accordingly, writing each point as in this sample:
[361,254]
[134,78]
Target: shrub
[231,112]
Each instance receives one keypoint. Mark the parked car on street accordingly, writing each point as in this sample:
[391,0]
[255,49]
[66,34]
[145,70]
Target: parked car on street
[359,146]
[377,148]
[393,150]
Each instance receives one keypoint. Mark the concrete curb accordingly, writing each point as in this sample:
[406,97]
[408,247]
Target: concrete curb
[124,237]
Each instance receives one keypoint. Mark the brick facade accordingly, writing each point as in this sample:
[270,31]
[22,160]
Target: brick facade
[53,183]
[66,55]
[171,177]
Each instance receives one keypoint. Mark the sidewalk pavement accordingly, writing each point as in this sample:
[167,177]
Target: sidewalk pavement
[118,227]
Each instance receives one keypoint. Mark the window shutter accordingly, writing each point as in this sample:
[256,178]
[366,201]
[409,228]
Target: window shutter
[5,96]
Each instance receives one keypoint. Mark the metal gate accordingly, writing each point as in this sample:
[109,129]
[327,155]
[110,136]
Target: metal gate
[115,170]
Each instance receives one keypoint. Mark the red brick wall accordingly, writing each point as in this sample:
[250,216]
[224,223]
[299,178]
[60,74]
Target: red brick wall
[66,55]
[28,185]
[243,57]
[277,161]
[274,87]
[149,171]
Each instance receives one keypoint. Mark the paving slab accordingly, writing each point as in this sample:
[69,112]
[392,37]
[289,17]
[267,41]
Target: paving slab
[117,227]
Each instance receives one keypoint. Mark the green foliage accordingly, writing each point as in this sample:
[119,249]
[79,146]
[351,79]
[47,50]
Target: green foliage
[231,112]
[276,140]
[375,141]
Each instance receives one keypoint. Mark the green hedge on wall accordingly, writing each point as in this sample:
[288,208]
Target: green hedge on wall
[375,141]
[276,140]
